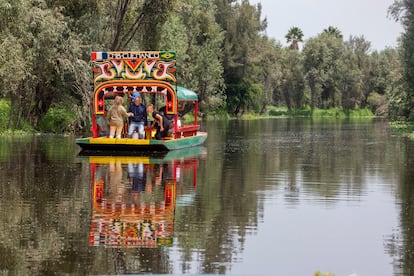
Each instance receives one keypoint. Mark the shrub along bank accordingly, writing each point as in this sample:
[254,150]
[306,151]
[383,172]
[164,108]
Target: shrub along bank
[61,120]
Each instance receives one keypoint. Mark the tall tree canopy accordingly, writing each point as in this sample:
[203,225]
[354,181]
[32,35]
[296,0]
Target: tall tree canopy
[47,58]
[402,99]
[193,32]
[333,31]
[223,53]
[243,25]
[294,36]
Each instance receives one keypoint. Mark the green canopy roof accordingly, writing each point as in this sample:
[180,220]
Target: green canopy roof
[185,94]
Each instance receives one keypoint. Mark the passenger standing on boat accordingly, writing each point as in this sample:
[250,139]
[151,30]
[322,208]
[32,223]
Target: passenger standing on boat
[117,115]
[139,119]
[160,123]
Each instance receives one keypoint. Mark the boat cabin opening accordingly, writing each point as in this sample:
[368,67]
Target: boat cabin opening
[151,75]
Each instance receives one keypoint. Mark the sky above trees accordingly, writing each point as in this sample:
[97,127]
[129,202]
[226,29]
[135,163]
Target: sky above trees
[352,17]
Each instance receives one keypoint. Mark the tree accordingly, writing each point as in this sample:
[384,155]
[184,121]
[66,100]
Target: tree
[333,31]
[52,61]
[242,25]
[357,50]
[349,80]
[293,83]
[294,36]
[130,20]
[321,63]
[191,30]
[266,69]
[403,97]
[14,66]
[384,76]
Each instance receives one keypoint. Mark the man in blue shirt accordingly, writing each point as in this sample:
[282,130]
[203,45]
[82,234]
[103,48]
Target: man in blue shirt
[139,119]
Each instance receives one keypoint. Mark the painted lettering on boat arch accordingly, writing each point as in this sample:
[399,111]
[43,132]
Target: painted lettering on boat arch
[156,65]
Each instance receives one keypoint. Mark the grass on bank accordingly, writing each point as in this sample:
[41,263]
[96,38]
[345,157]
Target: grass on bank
[4,114]
[58,119]
[276,111]
[405,129]
[4,118]
[317,112]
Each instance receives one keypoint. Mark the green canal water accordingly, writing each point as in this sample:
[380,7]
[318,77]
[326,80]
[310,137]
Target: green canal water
[261,197]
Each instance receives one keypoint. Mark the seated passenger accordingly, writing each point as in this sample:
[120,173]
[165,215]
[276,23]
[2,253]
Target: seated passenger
[103,127]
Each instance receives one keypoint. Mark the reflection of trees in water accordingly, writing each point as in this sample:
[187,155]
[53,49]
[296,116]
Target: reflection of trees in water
[400,243]
[45,215]
[126,261]
[42,204]
[48,233]
[324,161]
[332,160]
[143,260]
[223,212]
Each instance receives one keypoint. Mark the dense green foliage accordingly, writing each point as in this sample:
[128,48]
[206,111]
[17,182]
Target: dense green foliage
[4,114]
[222,53]
[403,128]
[334,112]
[294,36]
[57,119]
[402,100]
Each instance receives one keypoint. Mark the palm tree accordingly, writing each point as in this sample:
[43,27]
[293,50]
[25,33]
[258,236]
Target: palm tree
[294,36]
[334,31]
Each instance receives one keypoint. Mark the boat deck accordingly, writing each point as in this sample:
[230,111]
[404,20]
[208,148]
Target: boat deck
[113,145]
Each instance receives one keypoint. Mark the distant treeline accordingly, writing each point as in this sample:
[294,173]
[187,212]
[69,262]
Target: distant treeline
[223,54]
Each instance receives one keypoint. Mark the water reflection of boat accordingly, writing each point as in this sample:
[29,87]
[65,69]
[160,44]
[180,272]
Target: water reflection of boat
[134,197]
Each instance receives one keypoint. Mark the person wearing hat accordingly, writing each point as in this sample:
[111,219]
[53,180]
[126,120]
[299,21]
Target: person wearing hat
[139,118]
[102,123]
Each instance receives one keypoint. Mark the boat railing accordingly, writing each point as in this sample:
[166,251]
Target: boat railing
[187,130]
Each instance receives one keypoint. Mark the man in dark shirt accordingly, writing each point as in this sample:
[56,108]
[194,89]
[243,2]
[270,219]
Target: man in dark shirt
[139,119]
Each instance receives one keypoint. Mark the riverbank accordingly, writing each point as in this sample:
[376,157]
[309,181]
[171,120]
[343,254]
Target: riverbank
[405,129]
[275,111]
[56,120]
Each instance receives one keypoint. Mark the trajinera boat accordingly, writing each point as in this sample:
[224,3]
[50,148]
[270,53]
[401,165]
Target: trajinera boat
[152,75]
